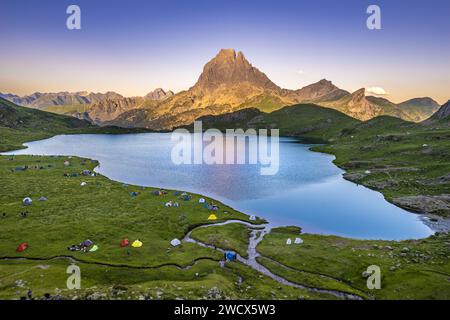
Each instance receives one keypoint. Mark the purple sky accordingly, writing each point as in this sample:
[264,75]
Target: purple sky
[135,46]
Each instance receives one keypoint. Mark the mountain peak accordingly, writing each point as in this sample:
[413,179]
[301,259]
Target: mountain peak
[229,68]
[359,94]
[159,94]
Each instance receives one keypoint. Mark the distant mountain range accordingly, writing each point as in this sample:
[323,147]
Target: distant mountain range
[228,83]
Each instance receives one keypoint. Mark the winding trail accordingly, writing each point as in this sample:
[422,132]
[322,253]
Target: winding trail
[256,236]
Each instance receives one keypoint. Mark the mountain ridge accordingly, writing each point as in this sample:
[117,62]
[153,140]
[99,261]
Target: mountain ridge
[227,83]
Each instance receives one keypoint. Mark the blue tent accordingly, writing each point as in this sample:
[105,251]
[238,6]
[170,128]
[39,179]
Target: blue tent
[230,255]
[133,194]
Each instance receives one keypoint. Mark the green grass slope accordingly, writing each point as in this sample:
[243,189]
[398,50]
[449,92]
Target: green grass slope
[307,121]
[400,159]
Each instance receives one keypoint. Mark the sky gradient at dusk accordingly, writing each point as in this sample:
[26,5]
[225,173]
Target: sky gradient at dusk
[132,47]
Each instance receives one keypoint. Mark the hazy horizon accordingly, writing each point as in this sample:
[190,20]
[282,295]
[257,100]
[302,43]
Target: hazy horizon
[134,48]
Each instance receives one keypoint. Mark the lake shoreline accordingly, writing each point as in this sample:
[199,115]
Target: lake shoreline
[436,225]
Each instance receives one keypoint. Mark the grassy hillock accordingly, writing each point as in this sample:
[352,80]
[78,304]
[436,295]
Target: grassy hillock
[305,121]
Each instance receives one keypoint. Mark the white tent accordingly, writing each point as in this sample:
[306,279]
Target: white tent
[298,241]
[175,242]
[83,184]
[27,201]
[288,241]
[252,218]
[201,200]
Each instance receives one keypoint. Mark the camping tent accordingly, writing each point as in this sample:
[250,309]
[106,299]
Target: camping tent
[66,163]
[288,241]
[252,218]
[87,243]
[136,244]
[83,184]
[22,247]
[298,241]
[201,200]
[43,199]
[212,217]
[175,242]
[94,248]
[27,201]
[134,194]
[230,255]
[124,243]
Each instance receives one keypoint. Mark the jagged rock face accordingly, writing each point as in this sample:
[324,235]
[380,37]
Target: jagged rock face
[110,109]
[159,94]
[360,108]
[229,68]
[443,113]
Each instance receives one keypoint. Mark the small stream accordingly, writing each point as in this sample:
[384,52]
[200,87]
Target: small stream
[256,236]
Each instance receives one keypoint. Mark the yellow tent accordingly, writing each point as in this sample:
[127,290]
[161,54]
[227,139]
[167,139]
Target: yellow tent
[137,244]
[212,217]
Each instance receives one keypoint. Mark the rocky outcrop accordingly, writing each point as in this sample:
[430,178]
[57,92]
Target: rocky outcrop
[323,90]
[442,115]
[159,95]
[439,204]
[110,109]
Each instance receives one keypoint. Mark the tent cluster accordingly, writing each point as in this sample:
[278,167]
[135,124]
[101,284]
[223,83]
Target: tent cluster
[296,241]
[85,246]
[135,244]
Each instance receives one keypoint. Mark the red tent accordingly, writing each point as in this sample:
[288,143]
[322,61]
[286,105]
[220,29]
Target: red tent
[124,243]
[22,247]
